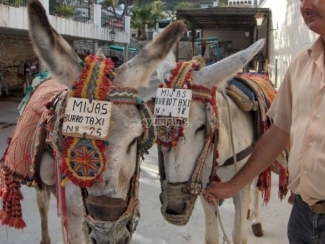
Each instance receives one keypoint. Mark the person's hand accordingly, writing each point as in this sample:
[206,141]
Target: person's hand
[217,190]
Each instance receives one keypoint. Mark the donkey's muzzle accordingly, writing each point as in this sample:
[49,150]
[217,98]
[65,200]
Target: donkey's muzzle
[105,208]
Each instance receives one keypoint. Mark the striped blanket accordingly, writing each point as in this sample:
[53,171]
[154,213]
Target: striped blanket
[19,163]
[263,95]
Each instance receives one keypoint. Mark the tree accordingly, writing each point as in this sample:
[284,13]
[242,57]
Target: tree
[146,15]
[158,7]
[110,3]
[186,5]
[223,3]
[128,3]
[180,5]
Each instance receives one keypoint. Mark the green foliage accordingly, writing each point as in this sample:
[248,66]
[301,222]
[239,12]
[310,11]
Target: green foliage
[15,3]
[186,5]
[158,6]
[146,14]
[65,10]
[223,3]
[170,4]
[109,3]
[180,5]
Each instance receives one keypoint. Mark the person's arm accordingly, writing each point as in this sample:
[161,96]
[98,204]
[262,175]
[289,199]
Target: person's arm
[268,147]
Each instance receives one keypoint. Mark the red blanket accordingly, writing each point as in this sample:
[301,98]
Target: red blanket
[17,163]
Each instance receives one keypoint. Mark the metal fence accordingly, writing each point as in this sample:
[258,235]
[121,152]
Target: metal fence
[113,22]
[78,10]
[14,3]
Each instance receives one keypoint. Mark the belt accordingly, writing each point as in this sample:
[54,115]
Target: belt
[318,207]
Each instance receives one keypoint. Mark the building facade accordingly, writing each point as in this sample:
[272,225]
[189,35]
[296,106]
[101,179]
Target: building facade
[288,35]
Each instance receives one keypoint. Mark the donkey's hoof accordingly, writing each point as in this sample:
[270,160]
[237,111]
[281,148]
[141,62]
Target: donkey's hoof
[248,213]
[45,241]
[257,229]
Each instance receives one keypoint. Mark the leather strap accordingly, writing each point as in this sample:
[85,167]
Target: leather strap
[239,156]
[318,207]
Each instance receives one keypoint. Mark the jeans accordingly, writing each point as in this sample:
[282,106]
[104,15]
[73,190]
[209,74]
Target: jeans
[304,225]
[3,81]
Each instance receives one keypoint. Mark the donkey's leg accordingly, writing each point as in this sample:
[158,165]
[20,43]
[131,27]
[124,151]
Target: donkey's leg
[211,223]
[255,210]
[25,84]
[241,202]
[43,202]
[75,214]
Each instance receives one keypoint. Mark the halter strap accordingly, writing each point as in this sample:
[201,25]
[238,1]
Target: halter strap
[96,84]
[239,156]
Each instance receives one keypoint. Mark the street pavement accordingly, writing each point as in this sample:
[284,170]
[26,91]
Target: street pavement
[152,228]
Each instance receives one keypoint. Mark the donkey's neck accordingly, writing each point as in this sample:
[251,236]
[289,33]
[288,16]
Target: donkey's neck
[235,130]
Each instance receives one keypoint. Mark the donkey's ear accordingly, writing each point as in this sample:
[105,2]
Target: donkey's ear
[50,47]
[137,71]
[219,73]
[164,68]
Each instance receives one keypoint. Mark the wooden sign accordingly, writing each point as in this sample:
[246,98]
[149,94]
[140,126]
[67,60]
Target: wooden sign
[173,102]
[87,119]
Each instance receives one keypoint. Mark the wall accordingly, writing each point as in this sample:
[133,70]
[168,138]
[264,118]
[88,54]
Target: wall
[16,18]
[290,37]
[14,49]
[238,38]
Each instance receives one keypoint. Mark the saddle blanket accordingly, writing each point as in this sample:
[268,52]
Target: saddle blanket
[17,157]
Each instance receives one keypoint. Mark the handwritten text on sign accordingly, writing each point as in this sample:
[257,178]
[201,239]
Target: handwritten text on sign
[83,118]
[173,102]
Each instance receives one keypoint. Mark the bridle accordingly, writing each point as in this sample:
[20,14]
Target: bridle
[108,226]
[192,188]
[181,78]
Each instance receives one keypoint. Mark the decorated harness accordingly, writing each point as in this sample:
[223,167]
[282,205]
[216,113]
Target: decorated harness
[78,144]
[168,136]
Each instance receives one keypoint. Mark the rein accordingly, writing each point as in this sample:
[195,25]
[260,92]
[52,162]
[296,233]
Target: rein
[192,188]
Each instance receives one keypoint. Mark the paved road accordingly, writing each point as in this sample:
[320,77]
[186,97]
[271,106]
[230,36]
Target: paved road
[152,228]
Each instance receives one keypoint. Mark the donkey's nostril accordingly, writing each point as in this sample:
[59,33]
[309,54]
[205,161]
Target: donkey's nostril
[93,240]
[176,210]
[105,208]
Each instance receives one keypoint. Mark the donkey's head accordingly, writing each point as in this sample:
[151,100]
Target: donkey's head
[110,198]
[186,144]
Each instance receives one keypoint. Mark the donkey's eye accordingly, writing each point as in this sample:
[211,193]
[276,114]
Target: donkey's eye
[202,127]
[131,144]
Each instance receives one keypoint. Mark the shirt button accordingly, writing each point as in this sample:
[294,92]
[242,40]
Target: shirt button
[318,116]
[310,144]
[305,172]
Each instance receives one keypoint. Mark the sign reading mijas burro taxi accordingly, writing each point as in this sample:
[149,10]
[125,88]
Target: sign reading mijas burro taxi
[173,102]
[87,119]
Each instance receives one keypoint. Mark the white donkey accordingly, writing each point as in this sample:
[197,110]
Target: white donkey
[216,130]
[100,199]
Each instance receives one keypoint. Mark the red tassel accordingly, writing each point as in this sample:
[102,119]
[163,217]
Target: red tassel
[2,214]
[11,222]
[19,223]
[283,180]
[216,178]
[264,184]
[5,194]
[5,219]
